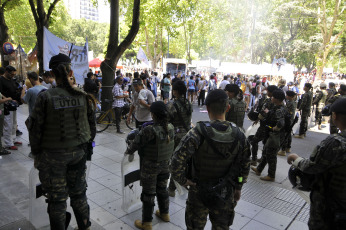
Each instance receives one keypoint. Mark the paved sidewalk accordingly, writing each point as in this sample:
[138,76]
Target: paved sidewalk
[264,206]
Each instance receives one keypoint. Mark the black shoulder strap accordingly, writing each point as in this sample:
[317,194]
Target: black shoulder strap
[204,133]
[180,117]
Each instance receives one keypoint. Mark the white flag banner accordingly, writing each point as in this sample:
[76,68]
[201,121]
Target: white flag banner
[141,56]
[53,45]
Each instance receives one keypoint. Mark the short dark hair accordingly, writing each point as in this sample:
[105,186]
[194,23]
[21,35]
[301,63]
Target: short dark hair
[90,74]
[217,101]
[135,75]
[232,88]
[272,88]
[279,94]
[191,77]
[225,77]
[2,70]
[47,74]
[291,93]
[10,68]
[33,76]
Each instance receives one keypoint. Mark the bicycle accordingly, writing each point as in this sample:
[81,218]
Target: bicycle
[106,118]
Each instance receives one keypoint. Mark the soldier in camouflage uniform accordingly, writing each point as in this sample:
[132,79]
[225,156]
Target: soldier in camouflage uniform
[261,131]
[60,126]
[320,101]
[236,113]
[224,155]
[331,91]
[180,113]
[305,108]
[156,140]
[274,121]
[328,163]
[341,94]
[291,106]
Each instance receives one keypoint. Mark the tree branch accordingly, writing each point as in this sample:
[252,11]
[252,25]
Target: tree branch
[34,13]
[335,18]
[3,5]
[51,8]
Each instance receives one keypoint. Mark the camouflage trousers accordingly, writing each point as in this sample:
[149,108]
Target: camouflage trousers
[177,139]
[318,116]
[259,136]
[154,178]
[332,128]
[287,141]
[62,174]
[304,122]
[196,213]
[269,154]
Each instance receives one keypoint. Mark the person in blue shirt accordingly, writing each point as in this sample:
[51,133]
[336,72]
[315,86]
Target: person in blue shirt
[191,84]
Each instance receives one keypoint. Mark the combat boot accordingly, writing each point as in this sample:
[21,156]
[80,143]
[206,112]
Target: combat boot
[288,150]
[300,136]
[258,173]
[267,178]
[319,127]
[143,225]
[164,217]
[282,153]
[254,163]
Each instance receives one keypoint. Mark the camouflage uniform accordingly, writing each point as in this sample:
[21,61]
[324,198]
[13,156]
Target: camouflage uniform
[274,118]
[154,173]
[331,93]
[319,101]
[62,161]
[332,128]
[196,212]
[185,108]
[236,113]
[305,108]
[291,108]
[261,134]
[328,194]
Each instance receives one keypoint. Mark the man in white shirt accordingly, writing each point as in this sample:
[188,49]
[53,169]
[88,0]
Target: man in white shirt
[118,101]
[142,99]
[224,82]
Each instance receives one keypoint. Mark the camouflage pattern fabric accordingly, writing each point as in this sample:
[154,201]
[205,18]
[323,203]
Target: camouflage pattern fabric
[62,174]
[259,136]
[196,213]
[330,154]
[291,107]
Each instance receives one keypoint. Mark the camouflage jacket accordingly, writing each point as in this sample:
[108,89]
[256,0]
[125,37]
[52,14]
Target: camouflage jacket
[190,144]
[291,107]
[37,121]
[306,101]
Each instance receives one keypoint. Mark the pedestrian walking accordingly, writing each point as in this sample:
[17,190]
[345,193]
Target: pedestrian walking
[118,101]
[305,108]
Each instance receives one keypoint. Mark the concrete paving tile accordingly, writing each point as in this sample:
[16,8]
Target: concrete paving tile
[115,208]
[103,161]
[273,219]
[113,168]
[101,216]
[118,225]
[20,224]
[98,173]
[92,205]
[247,209]
[255,225]
[117,188]
[109,180]
[94,186]
[239,221]
[178,219]
[166,226]
[137,215]
[104,196]
[8,212]
[180,200]
[298,225]
[117,157]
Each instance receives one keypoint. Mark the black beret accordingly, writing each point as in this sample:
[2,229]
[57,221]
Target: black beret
[343,87]
[58,59]
[137,81]
[232,88]
[217,95]
[158,107]
[339,106]
[279,94]
[290,93]
[323,85]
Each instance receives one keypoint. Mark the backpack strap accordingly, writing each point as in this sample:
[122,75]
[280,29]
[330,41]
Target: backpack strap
[180,117]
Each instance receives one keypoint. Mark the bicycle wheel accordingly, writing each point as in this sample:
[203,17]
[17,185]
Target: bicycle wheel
[102,121]
[132,124]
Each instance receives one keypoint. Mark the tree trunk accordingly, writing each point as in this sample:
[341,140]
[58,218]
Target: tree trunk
[114,50]
[3,36]
[39,36]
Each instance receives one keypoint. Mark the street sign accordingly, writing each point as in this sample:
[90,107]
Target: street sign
[8,48]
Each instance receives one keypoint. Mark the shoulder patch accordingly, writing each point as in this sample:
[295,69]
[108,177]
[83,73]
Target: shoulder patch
[64,102]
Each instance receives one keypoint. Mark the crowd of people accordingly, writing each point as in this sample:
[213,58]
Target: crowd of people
[210,158]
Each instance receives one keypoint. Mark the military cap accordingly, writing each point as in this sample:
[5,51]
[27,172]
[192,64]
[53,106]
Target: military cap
[58,59]
[339,106]
[290,93]
[323,85]
[158,107]
[137,81]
